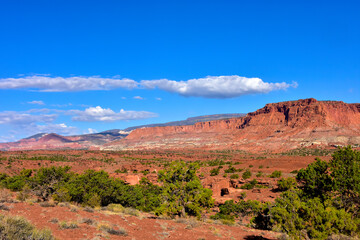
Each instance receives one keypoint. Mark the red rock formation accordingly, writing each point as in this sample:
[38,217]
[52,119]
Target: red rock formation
[132,179]
[275,127]
[53,138]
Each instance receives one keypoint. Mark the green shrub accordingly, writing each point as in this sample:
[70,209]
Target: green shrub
[231,169]
[61,195]
[345,174]
[275,174]
[14,228]
[68,225]
[246,174]
[82,188]
[315,180]
[214,172]
[183,193]
[242,195]
[124,170]
[94,201]
[3,177]
[231,210]
[46,181]
[89,209]
[234,176]
[311,217]
[285,184]
[24,193]
[115,208]
[119,232]
[249,185]
[17,182]
[326,204]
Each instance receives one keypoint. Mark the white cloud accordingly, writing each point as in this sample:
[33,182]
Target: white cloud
[159,99]
[94,114]
[8,138]
[37,102]
[91,130]
[38,110]
[61,84]
[15,125]
[61,105]
[19,118]
[216,86]
[208,87]
[31,122]
[60,128]
[138,97]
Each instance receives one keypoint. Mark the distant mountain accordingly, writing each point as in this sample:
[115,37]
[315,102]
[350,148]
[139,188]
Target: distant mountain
[85,141]
[42,141]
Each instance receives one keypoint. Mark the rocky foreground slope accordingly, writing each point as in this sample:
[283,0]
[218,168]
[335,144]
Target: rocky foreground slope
[275,127]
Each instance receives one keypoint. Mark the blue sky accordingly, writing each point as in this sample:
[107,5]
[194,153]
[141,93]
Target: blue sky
[75,67]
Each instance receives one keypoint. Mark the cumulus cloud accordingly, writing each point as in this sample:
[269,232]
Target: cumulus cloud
[61,105]
[91,130]
[18,124]
[19,118]
[216,86]
[94,114]
[8,138]
[60,128]
[31,122]
[37,102]
[208,87]
[138,97]
[61,84]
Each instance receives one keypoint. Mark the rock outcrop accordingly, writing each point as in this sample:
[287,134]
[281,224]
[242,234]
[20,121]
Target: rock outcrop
[275,127]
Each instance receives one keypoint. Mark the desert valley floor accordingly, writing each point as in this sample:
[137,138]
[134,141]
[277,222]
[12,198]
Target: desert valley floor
[131,166]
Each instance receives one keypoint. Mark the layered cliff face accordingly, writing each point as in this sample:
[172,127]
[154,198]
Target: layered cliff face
[275,127]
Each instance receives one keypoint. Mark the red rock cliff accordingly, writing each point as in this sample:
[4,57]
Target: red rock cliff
[301,113]
[277,126]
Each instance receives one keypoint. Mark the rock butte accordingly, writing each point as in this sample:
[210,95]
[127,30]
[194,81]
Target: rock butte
[276,127]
